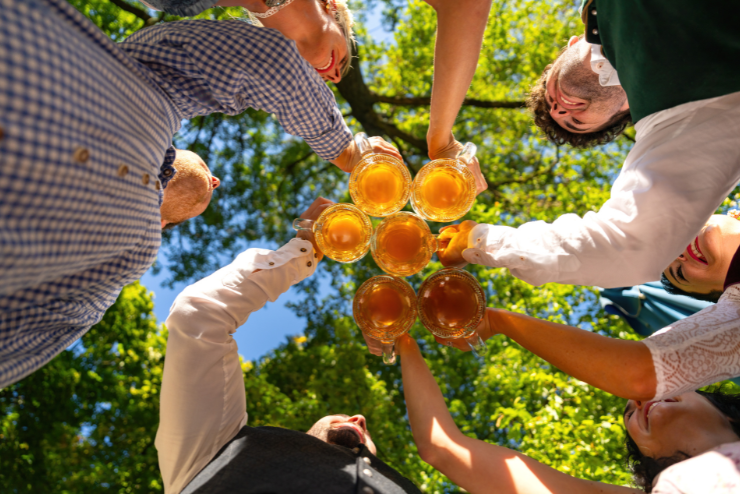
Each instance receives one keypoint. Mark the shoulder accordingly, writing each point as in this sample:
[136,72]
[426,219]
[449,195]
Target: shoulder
[716,471]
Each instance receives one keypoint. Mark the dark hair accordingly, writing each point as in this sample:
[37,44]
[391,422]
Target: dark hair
[712,296]
[645,469]
[537,104]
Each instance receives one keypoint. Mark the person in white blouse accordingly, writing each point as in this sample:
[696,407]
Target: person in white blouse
[694,438]
[203,441]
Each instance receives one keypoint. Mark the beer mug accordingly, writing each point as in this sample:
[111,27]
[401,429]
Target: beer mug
[403,244]
[451,304]
[342,232]
[444,189]
[385,308]
[380,185]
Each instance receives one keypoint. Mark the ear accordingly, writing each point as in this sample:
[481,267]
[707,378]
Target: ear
[573,40]
[215,182]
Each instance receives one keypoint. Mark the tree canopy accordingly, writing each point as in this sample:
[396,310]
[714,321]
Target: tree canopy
[86,422]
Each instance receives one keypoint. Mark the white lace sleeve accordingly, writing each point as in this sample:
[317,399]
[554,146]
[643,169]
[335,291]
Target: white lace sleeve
[702,349]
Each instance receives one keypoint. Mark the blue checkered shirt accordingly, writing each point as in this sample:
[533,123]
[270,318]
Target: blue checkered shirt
[86,127]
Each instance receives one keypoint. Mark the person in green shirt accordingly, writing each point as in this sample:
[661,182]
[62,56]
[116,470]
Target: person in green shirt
[636,59]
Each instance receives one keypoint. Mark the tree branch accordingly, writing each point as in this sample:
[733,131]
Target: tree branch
[426,101]
[138,12]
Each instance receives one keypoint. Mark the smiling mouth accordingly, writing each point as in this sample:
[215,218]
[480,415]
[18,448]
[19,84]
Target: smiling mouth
[329,64]
[650,406]
[695,252]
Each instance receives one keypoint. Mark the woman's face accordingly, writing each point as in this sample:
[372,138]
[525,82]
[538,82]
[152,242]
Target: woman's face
[325,48]
[688,423]
[318,36]
[703,265]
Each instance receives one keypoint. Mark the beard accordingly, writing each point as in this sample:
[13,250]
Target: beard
[578,80]
[343,437]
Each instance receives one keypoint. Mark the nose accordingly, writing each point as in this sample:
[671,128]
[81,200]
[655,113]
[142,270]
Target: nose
[557,110]
[360,421]
[334,76]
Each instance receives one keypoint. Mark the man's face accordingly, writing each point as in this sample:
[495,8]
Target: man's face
[343,430]
[577,101]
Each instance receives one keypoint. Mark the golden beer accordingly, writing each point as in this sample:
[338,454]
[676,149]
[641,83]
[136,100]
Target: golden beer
[342,232]
[444,190]
[403,245]
[451,304]
[380,185]
[384,308]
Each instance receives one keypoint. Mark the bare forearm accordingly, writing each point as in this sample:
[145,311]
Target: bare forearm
[460,28]
[623,368]
[430,420]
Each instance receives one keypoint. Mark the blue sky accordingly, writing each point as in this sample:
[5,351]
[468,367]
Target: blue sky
[271,325]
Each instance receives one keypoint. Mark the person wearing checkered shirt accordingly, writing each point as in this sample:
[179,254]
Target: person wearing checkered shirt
[86,128]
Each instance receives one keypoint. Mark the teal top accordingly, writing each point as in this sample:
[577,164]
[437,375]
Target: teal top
[668,52]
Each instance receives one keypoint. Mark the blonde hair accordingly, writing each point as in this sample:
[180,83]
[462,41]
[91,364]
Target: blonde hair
[342,15]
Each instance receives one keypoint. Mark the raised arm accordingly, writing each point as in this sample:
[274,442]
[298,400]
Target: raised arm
[202,401]
[622,368]
[460,28]
[663,196]
[470,463]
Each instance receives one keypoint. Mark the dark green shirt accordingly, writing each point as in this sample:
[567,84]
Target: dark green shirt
[668,52]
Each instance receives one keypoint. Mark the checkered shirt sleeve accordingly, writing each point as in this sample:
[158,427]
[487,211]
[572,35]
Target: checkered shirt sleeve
[83,135]
[229,66]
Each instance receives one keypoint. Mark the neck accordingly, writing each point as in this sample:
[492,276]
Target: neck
[295,20]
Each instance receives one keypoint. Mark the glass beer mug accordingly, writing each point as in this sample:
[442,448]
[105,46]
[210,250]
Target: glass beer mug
[444,190]
[385,308]
[380,185]
[451,304]
[403,244]
[342,232]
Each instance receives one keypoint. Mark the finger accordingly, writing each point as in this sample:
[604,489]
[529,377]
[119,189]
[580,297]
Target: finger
[459,343]
[373,345]
[316,208]
[381,146]
[448,227]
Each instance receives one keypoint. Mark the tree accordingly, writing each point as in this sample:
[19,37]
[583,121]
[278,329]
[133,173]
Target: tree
[86,422]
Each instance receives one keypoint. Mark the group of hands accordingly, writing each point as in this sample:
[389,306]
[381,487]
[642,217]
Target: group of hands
[453,239]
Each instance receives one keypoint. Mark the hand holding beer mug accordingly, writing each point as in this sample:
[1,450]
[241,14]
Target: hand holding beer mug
[451,304]
[444,189]
[380,184]
[342,232]
[453,241]
[403,244]
[384,308]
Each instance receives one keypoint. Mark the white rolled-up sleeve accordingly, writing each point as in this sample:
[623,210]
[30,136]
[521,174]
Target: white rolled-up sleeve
[673,180]
[203,401]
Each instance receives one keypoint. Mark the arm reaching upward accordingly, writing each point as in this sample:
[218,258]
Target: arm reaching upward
[460,28]
[470,463]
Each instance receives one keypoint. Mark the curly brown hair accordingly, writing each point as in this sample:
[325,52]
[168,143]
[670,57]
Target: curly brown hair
[537,104]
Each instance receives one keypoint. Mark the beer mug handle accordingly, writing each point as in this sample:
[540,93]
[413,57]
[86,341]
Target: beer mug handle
[476,344]
[434,243]
[467,153]
[363,144]
[303,224]
[389,352]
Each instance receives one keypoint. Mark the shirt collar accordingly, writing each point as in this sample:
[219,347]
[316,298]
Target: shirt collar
[733,273]
[599,64]
[167,171]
